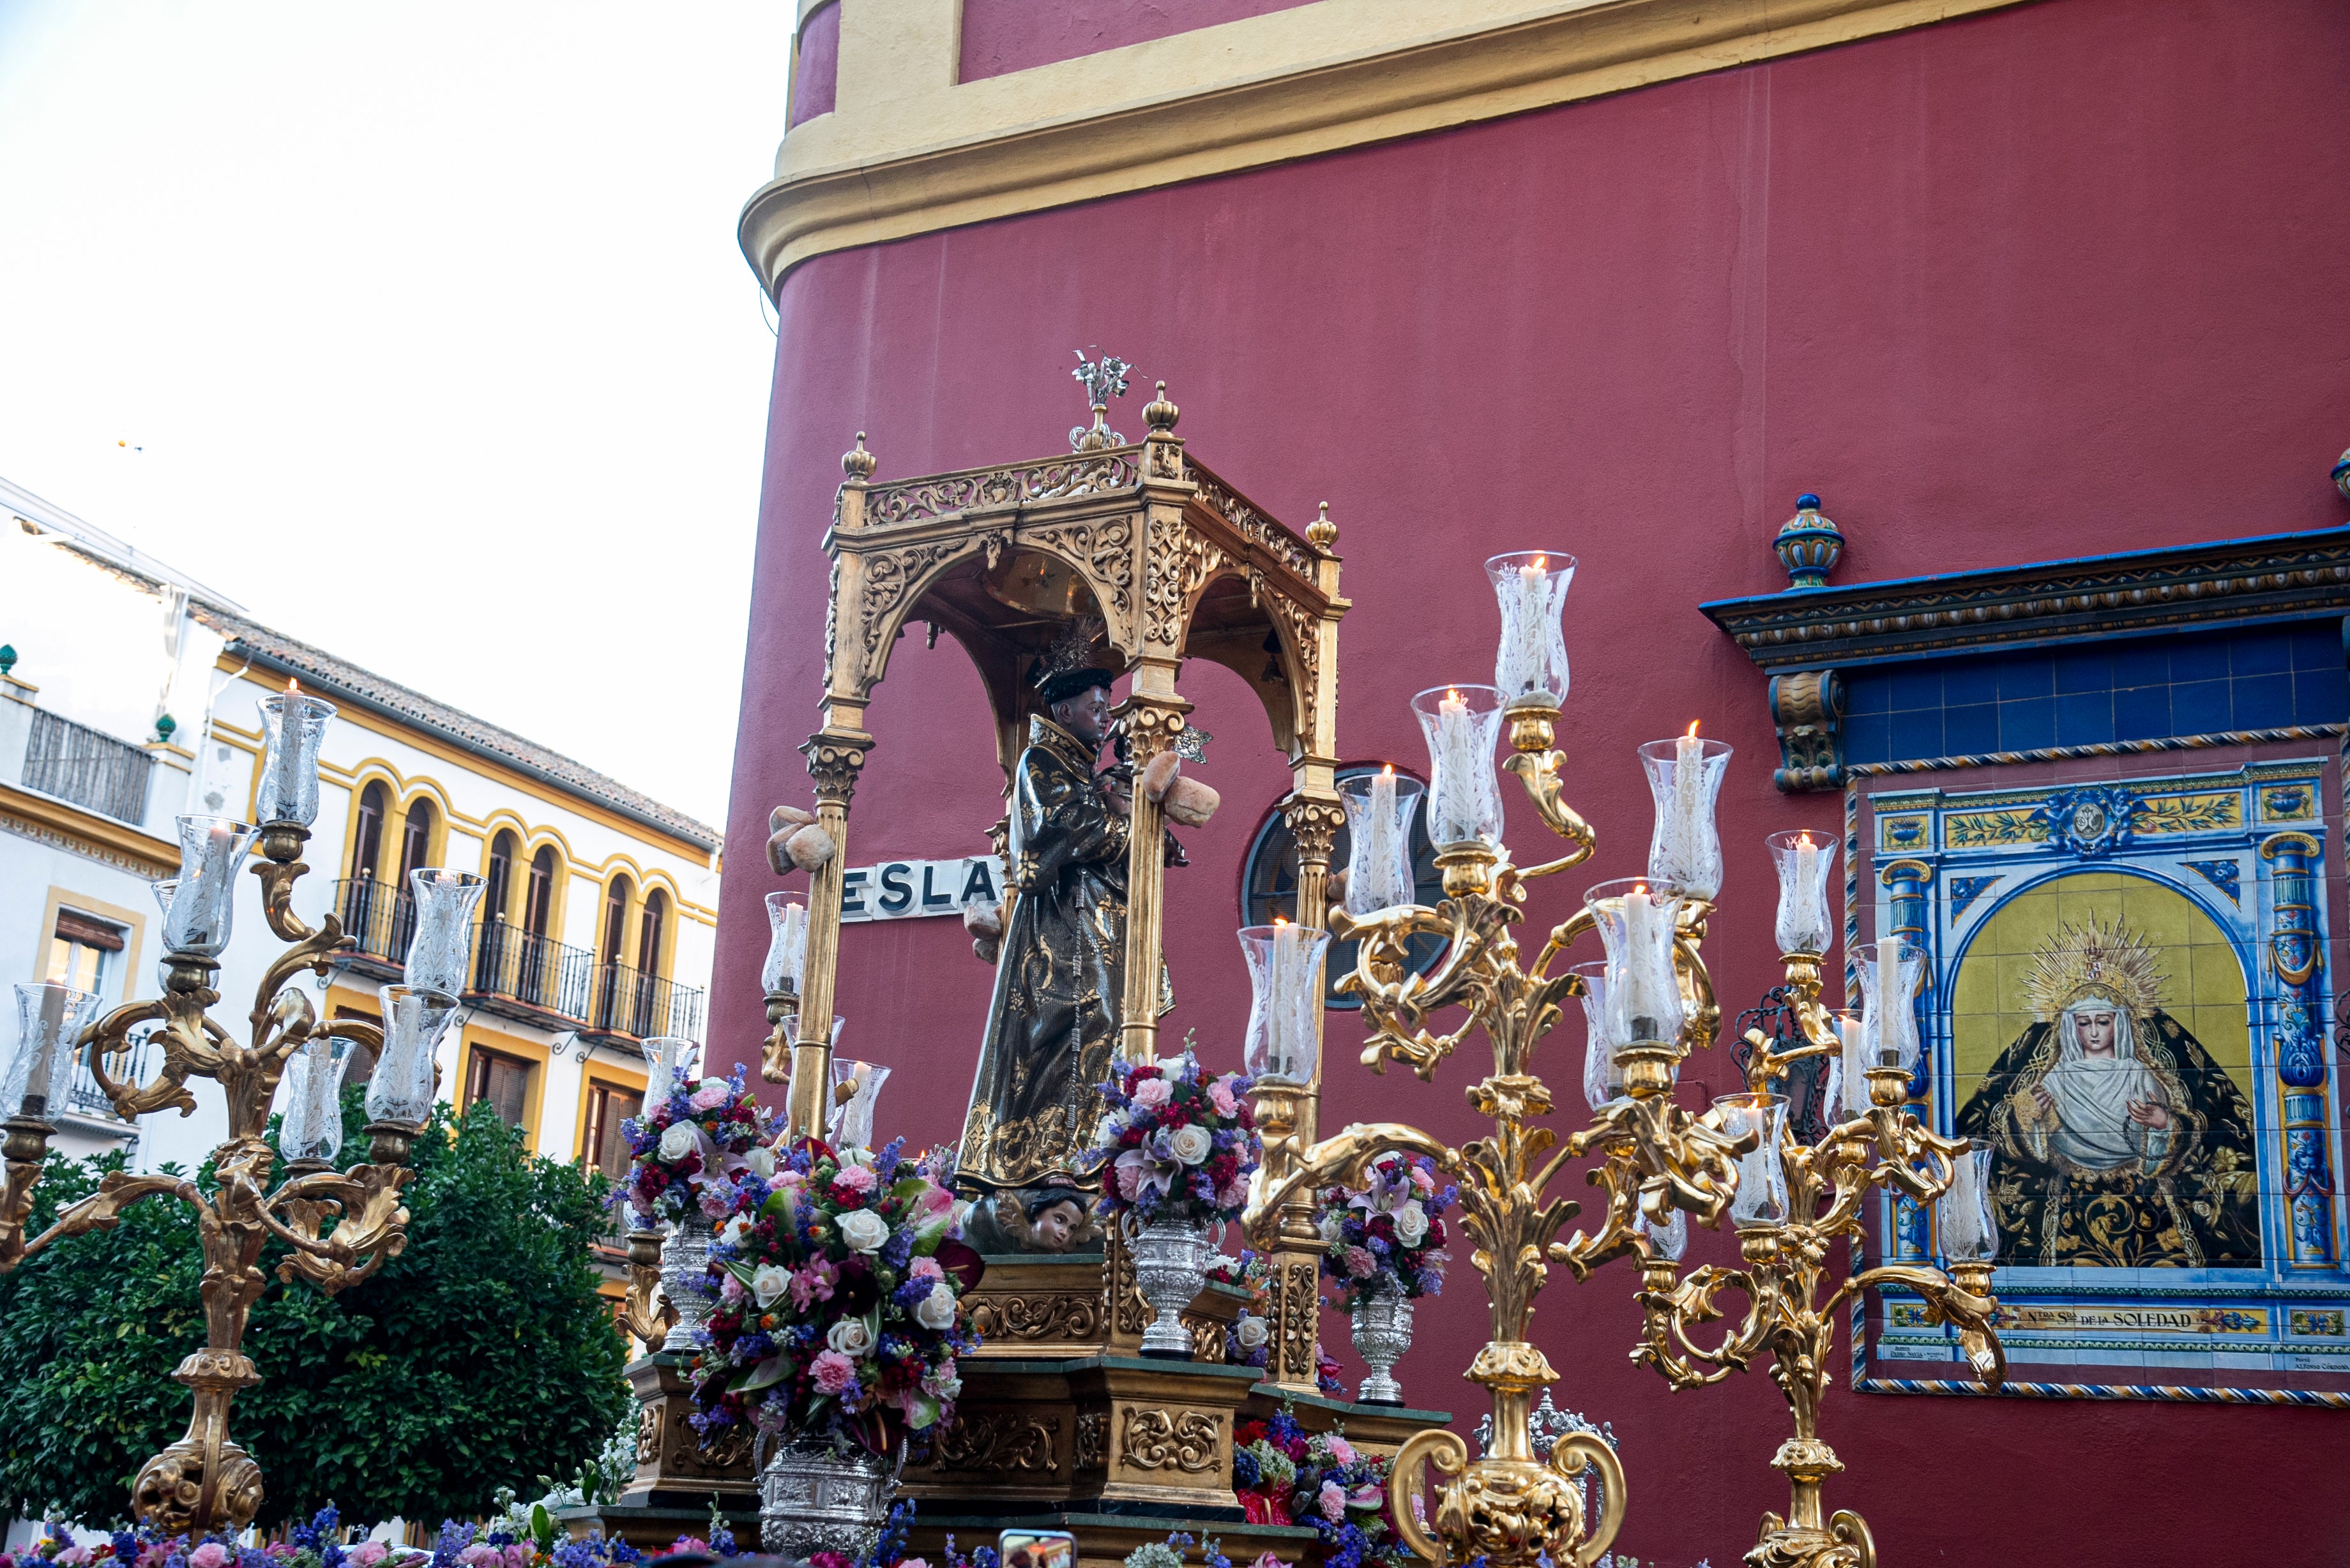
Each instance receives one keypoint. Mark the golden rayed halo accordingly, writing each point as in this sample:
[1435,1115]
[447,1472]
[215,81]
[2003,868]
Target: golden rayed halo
[2091,959]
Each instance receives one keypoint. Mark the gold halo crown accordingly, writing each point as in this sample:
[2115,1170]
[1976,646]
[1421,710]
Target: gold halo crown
[2092,959]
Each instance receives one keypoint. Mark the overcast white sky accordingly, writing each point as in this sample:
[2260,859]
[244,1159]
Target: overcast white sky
[440,303]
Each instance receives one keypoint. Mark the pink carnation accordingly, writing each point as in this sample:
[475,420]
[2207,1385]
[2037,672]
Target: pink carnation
[856,1177]
[1220,1094]
[1342,1451]
[210,1554]
[712,1094]
[730,1290]
[1153,1093]
[834,1372]
[518,1555]
[925,1268]
[366,1554]
[1333,1501]
[1358,1262]
[1422,1180]
[482,1555]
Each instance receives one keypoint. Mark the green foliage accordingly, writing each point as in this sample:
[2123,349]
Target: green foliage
[482,1351]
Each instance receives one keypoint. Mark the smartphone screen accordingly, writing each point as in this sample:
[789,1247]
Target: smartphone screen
[1037,1549]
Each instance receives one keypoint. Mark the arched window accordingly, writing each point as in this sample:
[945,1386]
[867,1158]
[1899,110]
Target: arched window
[538,901]
[616,919]
[649,931]
[415,838]
[1269,887]
[498,886]
[367,843]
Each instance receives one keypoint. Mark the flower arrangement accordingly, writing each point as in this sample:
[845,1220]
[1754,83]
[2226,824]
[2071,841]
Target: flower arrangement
[1284,1477]
[317,1544]
[839,1280]
[1387,1238]
[1175,1143]
[686,1143]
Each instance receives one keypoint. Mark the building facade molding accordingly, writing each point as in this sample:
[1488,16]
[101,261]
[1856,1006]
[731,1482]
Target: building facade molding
[911,151]
[62,826]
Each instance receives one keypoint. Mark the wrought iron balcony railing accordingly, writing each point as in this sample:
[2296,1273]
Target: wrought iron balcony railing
[95,770]
[538,971]
[130,1065]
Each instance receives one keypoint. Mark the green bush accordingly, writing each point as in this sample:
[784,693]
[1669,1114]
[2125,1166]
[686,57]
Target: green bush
[481,1353]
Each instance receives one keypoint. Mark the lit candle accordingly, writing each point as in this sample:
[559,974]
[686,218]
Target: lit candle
[1853,1068]
[1640,1008]
[1380,852]
[1803,900]
[1525,653]
[1888,997]
[1280,983]
[1689,795]
[1457,750]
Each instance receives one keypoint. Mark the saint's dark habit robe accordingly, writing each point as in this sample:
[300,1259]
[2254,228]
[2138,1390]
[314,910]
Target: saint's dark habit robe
[2194,1204]
[1053,1022]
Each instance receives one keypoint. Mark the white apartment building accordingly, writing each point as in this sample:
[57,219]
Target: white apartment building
[127,698]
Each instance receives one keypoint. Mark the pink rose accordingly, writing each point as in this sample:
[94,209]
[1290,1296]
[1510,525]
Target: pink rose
[713,1093]
[834,1372]
[1358,1262]
[925,1268]
[1153,1093]
[366,1554]
[855,1177]
[210,1554]
[1422,1180]
[1333,1501]
[1342,1451]
[1220,1094]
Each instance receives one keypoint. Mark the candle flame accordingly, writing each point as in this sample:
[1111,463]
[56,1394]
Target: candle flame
[1542,563]
[1389,771]
[1640,890]
[1692,729]
[1278,920]
[1452,694]
[1804,841]
[291,686]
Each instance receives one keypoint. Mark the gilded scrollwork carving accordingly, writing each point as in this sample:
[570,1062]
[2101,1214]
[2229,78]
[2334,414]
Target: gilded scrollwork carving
[1121,1297]
[889,576]
[917,499]
[1185,1440]
[1014,1441]
[1061,1316]
[1103,550]
[1283,547]
[1182,561]
[1093,1440]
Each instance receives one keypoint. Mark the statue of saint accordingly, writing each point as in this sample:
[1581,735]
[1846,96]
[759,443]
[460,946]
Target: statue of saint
[1053,1022]
[2116,1140]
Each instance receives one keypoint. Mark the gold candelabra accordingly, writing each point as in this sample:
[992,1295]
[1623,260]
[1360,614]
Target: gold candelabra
[1508,1506]
[340,1225]
[1784,1243]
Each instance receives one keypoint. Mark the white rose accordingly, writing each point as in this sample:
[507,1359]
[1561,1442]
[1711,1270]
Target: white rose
[762,1161]
[1106,1130]
[1193,1145]
[937,1309]
[678,1141]
[1411,1224]
[1253,1331]
[769,1283]
[737,1231]
[864,1230]
[850,1337]
[1334,1229]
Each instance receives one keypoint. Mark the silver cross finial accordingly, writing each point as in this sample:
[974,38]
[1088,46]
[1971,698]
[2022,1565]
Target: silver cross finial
[1103,379]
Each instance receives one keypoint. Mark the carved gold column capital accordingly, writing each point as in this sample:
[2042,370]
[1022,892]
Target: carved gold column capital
[834,762]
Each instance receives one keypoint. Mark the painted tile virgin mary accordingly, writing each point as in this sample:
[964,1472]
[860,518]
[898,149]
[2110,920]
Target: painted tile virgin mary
[2116,1140]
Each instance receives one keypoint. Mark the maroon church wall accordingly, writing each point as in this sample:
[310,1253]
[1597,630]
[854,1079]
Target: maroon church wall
[2054,281]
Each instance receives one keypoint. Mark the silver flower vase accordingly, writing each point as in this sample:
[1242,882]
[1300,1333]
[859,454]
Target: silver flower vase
[685,1260]
[1170,1269]
[1382,1334]
[816,1497]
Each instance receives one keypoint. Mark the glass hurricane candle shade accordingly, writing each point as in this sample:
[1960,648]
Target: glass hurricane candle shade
[1685,851]
[1805,860]
[1762,1196]
[1380,808]
[164,891]
[1643,992]
[1668,1241]
[1847,1086]
[204,901]
[1284,965]
[1890,973]
[1970,1229]
[852,1117]
[313,1124]
[1603,1077]
[401,1088]
[293,728]
[1463,724]
[667,1054]
[444,928]
[49,1019]
[787,964]
[1531,666]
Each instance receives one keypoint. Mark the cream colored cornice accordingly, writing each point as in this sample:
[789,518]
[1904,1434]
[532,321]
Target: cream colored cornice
[909,149]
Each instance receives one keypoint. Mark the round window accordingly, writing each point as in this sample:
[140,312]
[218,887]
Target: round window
[1269,887]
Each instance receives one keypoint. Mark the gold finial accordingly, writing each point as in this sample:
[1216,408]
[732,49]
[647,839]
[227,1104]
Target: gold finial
[1158,413]
[860,463]
[1322,533]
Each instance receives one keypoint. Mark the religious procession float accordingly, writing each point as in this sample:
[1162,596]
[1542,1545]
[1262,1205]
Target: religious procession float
[869,1352]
